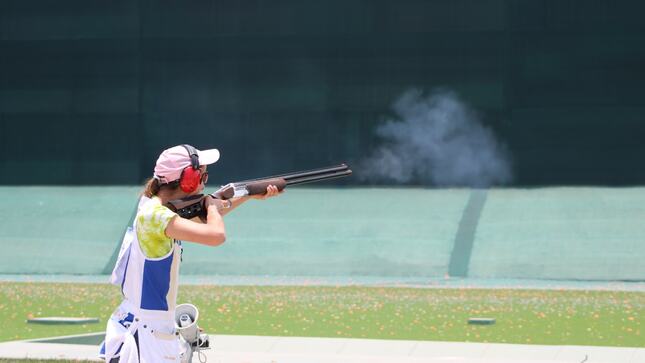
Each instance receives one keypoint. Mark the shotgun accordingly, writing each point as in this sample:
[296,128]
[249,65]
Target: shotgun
[193,205]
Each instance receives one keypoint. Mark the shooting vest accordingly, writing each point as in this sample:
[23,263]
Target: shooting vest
[149,285]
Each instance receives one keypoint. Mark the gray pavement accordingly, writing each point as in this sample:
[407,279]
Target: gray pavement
[262,349]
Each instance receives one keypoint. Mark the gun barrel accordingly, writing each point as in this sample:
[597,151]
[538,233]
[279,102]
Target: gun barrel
[318,177]
[301,174]
[259,185]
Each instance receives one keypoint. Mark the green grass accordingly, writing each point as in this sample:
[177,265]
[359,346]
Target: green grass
[606,318]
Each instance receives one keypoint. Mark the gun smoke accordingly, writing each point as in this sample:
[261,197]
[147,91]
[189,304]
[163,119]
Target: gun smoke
[436,139]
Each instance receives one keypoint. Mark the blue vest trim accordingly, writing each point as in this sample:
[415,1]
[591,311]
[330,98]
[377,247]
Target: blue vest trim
[156,283]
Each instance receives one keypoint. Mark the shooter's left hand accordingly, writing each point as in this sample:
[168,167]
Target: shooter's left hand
[272,191]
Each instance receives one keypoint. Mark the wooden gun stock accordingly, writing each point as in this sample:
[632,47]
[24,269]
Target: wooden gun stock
[193,206]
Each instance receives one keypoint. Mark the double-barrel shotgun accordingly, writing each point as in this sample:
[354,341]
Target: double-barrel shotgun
[193,205]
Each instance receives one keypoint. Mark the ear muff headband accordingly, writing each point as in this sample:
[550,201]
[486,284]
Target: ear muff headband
[194,156]
[191,176]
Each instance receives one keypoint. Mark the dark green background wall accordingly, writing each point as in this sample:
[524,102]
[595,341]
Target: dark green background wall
[92,91]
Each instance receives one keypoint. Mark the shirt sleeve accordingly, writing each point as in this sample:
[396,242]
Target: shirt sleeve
[151,230]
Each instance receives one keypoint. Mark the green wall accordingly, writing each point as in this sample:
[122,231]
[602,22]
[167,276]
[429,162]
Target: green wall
[92,91]
[561,233]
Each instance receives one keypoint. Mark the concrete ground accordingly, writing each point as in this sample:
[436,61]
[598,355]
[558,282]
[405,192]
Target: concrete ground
[252,349]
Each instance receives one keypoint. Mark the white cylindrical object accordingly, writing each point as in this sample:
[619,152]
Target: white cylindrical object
[186,316]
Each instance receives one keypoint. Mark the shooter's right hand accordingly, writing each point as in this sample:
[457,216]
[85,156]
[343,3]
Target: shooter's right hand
[212,205]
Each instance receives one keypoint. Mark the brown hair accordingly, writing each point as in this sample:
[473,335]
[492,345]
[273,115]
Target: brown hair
[152,187]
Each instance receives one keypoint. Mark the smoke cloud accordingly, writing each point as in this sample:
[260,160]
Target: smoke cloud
[436,139]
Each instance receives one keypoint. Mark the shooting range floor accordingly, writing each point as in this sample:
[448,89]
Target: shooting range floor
[251,349]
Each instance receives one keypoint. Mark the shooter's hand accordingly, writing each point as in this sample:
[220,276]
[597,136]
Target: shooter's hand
[272,191]
[210,201]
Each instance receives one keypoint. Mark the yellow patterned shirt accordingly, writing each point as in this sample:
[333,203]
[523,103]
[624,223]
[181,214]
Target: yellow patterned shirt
[152,220]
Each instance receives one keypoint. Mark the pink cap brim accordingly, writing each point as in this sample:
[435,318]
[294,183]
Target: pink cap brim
[207,157]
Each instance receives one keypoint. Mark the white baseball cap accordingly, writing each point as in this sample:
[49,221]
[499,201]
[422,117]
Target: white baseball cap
[173,161]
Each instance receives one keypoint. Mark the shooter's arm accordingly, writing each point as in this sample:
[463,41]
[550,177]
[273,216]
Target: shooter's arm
[211,233]
[235,202]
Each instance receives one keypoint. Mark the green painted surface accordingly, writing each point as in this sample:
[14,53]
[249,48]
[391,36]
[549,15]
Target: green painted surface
[562,233]
[344,232]
[551,233]
[329,232]
[72,230]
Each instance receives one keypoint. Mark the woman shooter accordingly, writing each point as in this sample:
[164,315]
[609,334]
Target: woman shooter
[142,329]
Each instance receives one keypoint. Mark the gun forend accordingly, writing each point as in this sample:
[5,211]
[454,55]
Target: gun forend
[234,190]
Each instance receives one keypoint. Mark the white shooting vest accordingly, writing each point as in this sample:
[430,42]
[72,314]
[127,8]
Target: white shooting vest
[149,287]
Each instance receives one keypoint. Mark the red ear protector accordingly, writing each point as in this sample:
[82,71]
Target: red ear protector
[191,176]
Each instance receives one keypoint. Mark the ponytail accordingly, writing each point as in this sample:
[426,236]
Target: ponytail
[151,188]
